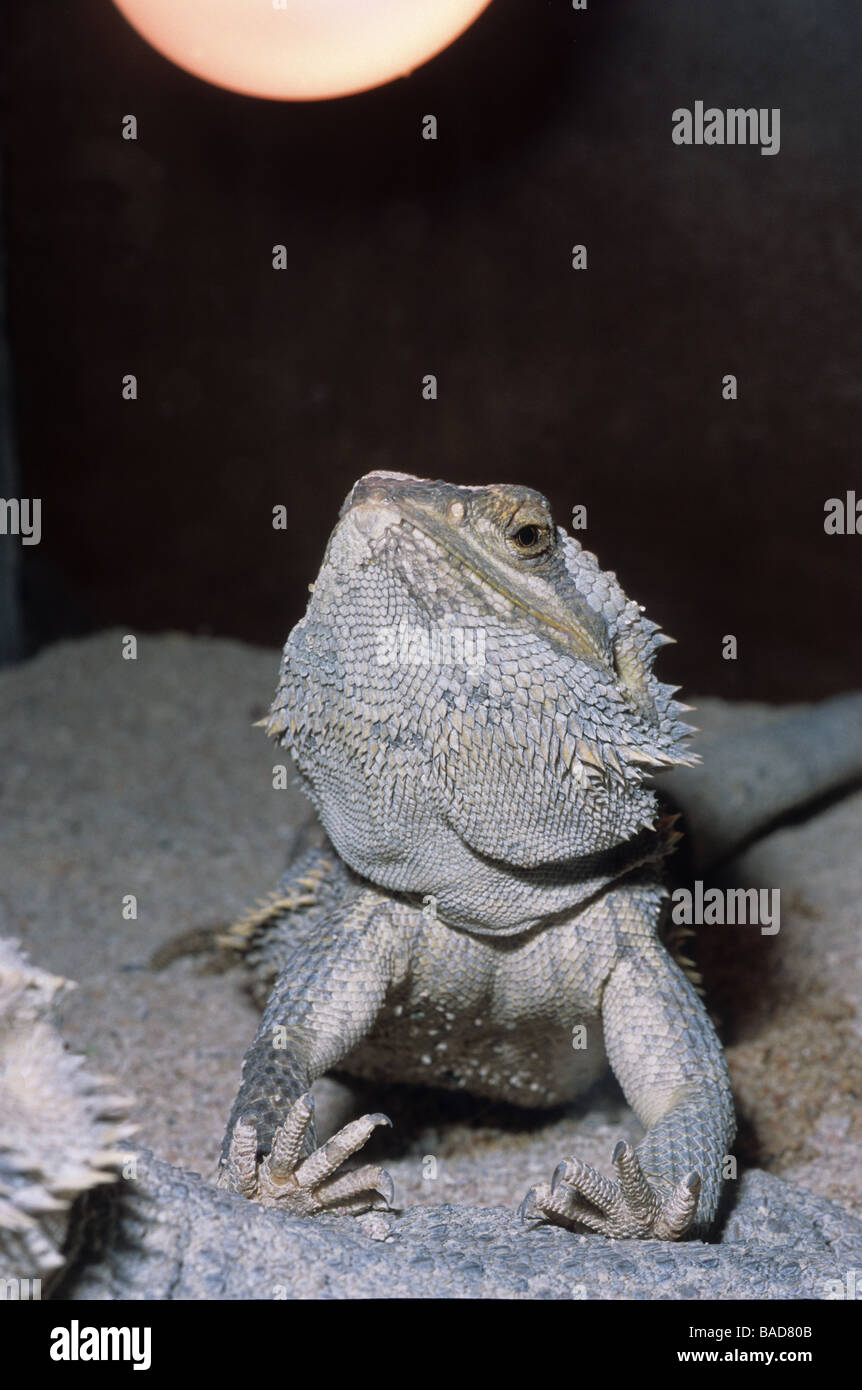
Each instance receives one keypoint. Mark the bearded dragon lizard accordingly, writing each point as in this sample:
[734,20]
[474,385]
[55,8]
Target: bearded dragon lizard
[470,703]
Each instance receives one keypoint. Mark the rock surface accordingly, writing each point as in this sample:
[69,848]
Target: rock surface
[175,1237]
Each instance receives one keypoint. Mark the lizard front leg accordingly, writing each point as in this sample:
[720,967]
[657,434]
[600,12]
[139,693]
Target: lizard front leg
[324,1001]
[667,1058]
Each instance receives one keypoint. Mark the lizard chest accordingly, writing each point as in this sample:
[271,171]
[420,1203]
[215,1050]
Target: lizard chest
[494,1020]
[522,1062]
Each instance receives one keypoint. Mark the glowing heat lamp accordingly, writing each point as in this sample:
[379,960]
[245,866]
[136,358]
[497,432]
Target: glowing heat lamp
[300,50]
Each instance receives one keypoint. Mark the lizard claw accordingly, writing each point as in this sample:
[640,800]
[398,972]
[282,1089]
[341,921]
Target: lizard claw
[580,1197]
[523,1208]
[386,1187]
[559,1174]
[313,1184]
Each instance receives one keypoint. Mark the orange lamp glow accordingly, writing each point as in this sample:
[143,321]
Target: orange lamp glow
[300,50]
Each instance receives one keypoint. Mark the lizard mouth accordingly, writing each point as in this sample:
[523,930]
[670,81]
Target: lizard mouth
[532,585]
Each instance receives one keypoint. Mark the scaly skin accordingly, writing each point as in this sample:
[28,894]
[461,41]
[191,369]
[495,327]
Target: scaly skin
[493,880]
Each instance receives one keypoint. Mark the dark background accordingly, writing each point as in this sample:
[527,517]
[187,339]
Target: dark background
[602,387]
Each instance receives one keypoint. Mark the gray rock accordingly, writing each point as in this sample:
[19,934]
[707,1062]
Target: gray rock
[170,1235]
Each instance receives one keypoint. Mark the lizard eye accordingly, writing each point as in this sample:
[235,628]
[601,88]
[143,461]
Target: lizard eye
[531,537]
[527,536]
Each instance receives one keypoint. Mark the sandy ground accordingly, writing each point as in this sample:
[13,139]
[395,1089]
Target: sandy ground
[146,778]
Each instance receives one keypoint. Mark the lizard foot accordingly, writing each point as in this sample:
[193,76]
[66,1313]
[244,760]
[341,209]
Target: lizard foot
[580,1196]
[309,1186]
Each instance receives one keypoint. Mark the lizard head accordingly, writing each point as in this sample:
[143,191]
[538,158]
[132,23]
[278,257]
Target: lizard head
[465,667]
